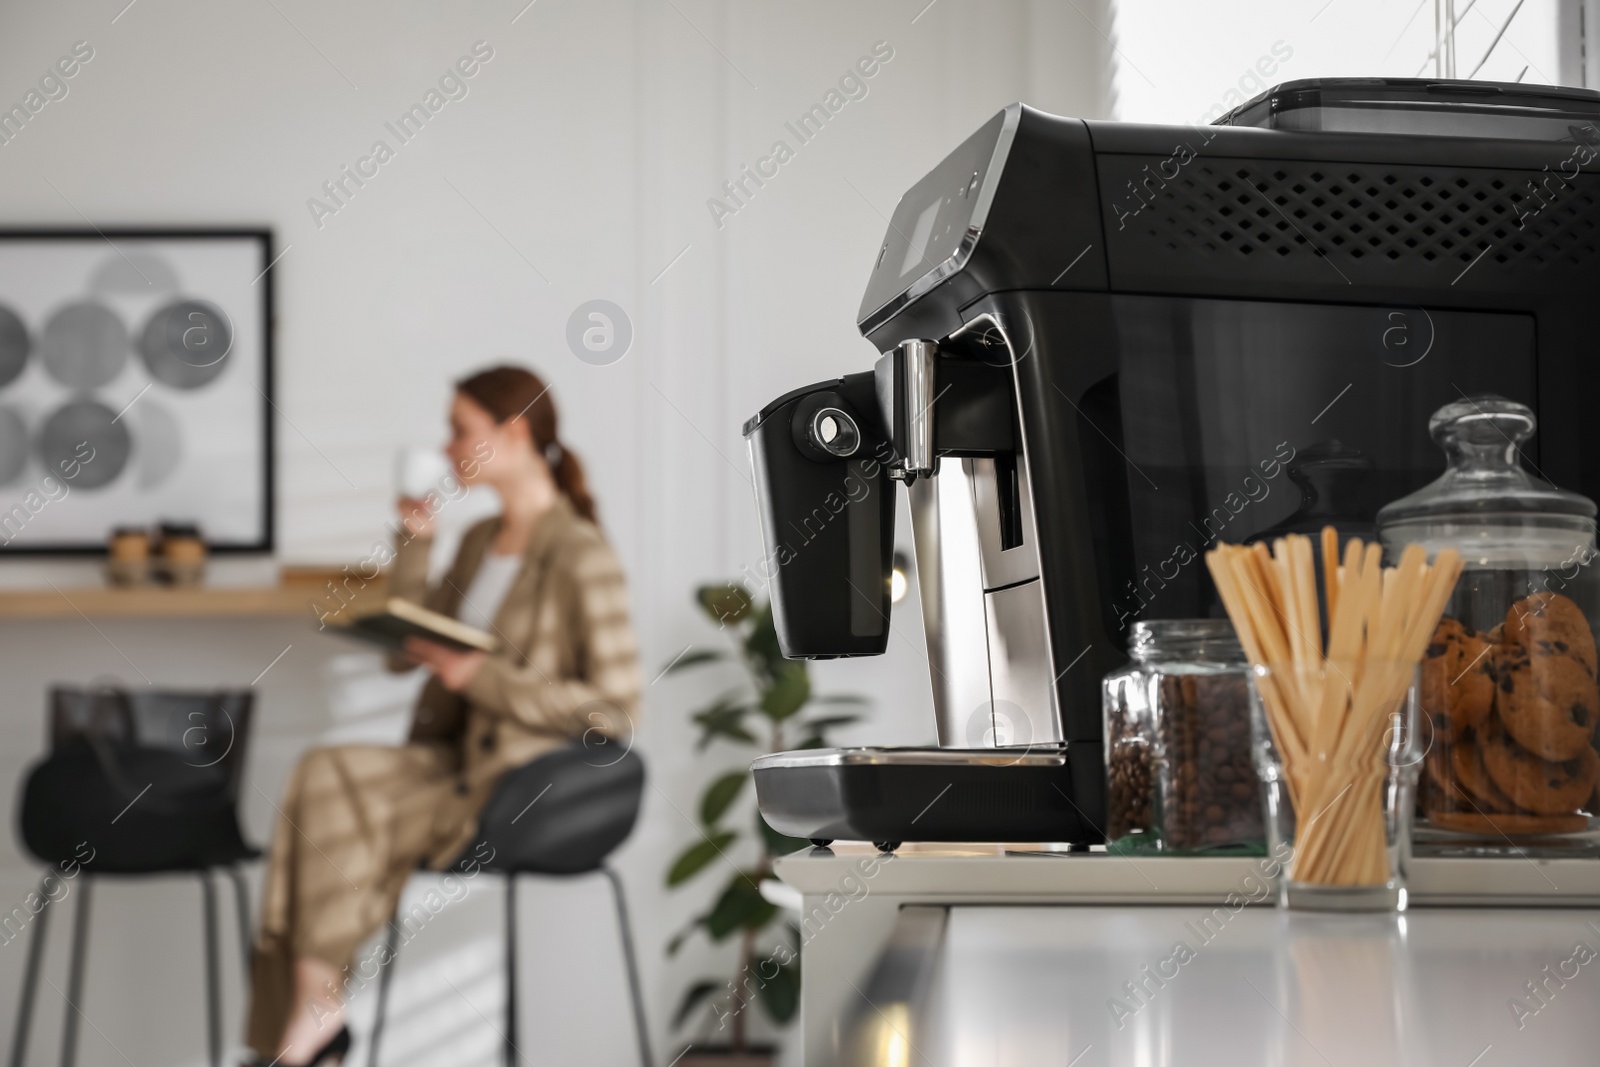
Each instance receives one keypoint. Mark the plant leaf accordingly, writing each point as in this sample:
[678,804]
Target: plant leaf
[780,994]
[732,733]
[696,856]
[720,794]
[694,659]
[725,718]
[761,647]
[729,700]
[691,1000]
[778,844]
[683,935]
[828,722]
[741,907]
[789,692]
[729,602]
[680,937]
[840,698]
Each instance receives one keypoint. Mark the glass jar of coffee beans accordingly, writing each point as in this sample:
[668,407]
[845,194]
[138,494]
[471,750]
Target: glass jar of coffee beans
[1179,773]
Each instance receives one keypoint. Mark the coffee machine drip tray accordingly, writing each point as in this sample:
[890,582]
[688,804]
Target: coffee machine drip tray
[890,795]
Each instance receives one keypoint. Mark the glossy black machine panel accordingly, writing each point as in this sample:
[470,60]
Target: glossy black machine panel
[1226,332]
[827,515]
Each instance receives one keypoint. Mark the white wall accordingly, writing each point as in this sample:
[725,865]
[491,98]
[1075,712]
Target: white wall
[585,153]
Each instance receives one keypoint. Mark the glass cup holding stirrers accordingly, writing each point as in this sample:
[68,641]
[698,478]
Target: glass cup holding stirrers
[1339,814]
[1334,715]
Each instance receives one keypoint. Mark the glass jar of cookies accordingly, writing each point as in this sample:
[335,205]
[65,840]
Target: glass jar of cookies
[1509,700]
[1179,769]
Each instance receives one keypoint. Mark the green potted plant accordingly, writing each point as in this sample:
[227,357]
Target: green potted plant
[772,710]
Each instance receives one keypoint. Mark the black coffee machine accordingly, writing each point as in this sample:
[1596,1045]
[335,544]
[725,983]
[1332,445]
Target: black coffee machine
[1106,346]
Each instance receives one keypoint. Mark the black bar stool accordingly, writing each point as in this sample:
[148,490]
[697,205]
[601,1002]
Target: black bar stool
[562,814]
[148,781]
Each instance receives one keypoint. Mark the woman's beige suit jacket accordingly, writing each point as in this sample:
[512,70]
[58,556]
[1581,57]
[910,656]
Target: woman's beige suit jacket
[567,669]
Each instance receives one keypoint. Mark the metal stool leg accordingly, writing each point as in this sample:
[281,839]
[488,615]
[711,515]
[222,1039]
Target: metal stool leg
[80,949]
[208,893]
[241,900]
[639,1024]
[511,969]
[386,975]
[30,979]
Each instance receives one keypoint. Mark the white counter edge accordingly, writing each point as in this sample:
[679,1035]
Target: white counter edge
[1102,879]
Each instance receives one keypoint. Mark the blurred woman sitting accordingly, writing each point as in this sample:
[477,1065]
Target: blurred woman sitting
[356,820]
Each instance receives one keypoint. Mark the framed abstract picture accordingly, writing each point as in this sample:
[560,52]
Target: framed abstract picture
[135,386]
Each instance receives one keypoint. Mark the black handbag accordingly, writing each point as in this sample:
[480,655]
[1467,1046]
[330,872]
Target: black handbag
[139,806]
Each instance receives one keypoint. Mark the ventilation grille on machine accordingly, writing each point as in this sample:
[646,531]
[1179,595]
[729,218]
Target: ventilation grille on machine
[1246,209]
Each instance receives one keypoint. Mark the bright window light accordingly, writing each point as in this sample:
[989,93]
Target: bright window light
[1175,61]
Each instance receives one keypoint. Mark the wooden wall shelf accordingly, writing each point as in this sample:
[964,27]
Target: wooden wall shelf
[292,597]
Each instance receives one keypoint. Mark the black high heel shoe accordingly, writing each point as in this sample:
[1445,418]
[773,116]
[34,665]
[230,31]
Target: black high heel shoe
[337,1048]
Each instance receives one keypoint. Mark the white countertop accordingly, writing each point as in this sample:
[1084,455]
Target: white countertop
[1030,986]
[943,954]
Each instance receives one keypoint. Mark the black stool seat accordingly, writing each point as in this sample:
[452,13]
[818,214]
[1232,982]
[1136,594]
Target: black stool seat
[136,782]
[562,814]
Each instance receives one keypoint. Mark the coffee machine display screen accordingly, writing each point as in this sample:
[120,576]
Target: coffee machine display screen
[933,217]
[917,247]
[1242,421]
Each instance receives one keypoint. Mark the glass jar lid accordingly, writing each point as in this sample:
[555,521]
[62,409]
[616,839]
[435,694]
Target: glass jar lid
[1184,640]
[1485,503]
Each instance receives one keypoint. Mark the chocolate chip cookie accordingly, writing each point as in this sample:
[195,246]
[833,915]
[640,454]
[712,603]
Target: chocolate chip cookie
[1550,624]
[1457,691]
[1466,760]
[1545,787]
[1439,789]
[1548,702]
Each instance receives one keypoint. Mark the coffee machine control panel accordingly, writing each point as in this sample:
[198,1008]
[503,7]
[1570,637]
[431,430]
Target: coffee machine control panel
[938,221]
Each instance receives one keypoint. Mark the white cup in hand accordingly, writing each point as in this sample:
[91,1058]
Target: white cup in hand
[420,471]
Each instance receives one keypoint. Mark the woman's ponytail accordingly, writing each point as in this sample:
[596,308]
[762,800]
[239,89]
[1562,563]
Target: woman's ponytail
[568,472]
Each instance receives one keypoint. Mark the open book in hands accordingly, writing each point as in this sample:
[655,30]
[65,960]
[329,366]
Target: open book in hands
[400,619]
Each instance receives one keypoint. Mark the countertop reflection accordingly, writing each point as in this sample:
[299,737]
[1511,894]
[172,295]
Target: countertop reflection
[1181,986]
